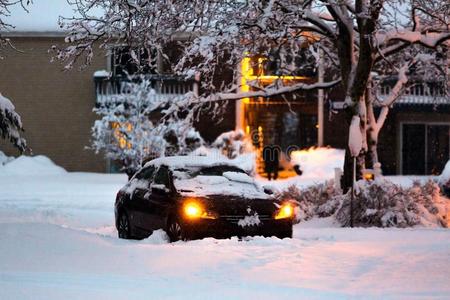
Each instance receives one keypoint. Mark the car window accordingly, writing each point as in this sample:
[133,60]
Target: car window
[162,176]
[146,173]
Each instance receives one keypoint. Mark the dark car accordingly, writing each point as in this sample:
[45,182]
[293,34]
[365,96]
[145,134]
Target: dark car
[193,197]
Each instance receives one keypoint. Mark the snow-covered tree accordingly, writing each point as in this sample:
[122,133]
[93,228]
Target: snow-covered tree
[126,133]
[10,122]
[353,39]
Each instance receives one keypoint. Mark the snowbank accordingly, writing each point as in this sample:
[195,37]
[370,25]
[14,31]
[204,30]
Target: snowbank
[5,159]
[444,178]
[30,165]
[58,241]
[318,162]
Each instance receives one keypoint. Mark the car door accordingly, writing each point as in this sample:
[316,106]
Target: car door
[140,197]
[158,203]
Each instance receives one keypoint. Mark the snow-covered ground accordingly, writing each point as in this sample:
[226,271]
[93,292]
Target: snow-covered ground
[57,241]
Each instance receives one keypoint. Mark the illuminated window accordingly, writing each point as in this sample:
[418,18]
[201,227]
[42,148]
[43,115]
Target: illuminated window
[120,131]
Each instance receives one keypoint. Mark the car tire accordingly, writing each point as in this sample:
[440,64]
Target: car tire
[285,234]
[175,230]
[123,226]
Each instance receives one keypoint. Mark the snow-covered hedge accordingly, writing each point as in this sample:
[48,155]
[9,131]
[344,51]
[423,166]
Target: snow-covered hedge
[380,203]
[317,200]
[384,204]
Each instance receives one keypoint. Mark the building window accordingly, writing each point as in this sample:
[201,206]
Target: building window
[425,148]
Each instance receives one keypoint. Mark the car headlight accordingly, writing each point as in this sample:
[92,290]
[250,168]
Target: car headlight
[284,212]
[194,210]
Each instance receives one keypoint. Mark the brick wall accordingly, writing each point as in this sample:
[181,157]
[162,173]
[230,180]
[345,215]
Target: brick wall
[55,106]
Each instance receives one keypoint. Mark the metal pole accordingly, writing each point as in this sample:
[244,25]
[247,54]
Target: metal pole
[320,100]
[353,192]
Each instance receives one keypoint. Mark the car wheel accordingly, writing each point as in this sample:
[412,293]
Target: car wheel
[123,227]
[175,230]
[285,234]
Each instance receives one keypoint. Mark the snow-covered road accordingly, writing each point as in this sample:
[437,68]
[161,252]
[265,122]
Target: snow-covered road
[57,242]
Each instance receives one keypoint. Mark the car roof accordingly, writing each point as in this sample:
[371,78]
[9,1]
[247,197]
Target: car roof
[191,162]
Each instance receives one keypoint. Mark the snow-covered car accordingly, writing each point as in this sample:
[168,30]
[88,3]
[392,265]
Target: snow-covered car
[193,197]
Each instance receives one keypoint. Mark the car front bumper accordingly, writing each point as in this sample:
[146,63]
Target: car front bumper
[225,228]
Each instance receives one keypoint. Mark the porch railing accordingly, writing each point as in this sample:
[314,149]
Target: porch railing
[162,85]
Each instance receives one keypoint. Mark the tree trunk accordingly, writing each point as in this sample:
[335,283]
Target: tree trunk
[373,148]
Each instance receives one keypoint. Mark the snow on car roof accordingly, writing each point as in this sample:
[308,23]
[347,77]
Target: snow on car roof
[191,161]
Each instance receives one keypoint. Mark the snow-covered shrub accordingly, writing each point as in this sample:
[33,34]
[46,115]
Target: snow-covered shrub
[317,200]
[380,203]
[384,204]
[11,124]
[233,143]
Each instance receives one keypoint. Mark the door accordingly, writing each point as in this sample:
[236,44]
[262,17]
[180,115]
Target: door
[158,201]
[425,148]
[139,198]
[437,148]
[413,149]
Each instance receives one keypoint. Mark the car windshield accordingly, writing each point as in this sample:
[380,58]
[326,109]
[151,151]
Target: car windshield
[214,180]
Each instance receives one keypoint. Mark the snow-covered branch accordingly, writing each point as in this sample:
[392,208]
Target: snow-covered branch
[11,124]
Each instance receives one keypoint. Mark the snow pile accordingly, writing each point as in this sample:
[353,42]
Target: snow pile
[249,221]
[318,162]
[444,178]
[158,237]
[4,159]
[31,165]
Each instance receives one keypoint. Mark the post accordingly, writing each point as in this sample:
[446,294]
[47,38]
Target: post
[320,103]
[353,191]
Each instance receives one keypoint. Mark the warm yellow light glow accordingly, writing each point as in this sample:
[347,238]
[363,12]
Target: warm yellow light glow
[271,78]
[368,176]
[193,210]
[119,134]
[285,211]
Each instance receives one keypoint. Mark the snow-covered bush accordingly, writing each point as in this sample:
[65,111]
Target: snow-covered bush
[317,200]
[384,204]
[380,203]
[131,131]
[233,143]
[11,124]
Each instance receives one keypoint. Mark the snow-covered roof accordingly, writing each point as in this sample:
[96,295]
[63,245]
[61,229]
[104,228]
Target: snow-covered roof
[191,161]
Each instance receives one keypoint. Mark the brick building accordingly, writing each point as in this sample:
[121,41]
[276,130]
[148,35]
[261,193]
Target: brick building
[56,109]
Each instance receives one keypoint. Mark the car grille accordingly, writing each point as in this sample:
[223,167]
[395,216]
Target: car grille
[234,219]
